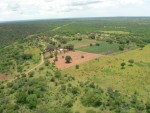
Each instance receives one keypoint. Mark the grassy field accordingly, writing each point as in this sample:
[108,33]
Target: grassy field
[82,43]
[104,48]
[106,71]
[116,32]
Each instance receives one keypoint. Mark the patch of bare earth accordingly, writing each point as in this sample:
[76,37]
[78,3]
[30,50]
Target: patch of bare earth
[76,58]
[3,77]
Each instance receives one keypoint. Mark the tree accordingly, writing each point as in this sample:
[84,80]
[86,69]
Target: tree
[121,47]
[91,44]
[68,59]
[122,65]
[92,36]
[148,107]
[131,61]
[97,44]
[47,63]
[50,47]
[32,101]
[57,74]
[141,46]
[110,41]
[69,47]
[21,97]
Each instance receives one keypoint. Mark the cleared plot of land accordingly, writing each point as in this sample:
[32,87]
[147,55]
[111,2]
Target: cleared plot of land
[107,72]
[3,77]
[82,43]
[76,58]
[116,32]
[104,48]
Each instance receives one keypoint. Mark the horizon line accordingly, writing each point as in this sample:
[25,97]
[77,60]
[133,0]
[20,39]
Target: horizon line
[23,20]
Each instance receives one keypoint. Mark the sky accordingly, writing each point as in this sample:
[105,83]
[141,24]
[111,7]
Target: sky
[11,10]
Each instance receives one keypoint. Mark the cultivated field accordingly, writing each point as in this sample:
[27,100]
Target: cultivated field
[103,48]
[76,58]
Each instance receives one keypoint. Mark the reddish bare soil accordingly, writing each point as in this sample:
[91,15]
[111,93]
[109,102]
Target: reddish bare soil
[76,58]
[3,77]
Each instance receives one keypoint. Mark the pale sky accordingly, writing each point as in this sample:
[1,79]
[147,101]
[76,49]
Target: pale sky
[48,9]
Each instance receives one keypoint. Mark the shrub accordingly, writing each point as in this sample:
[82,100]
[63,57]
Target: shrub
[21,97]
[122,65]
[91,44]
[121,47]
[51,55]
[91,99]
[57,74]
[82,56]
[97,44]
[47,63]
[41,68]
[109,41]
[77,66]
[9,84]
[131,61]
[68,59]
[31,74]
[32,101]
[69,47]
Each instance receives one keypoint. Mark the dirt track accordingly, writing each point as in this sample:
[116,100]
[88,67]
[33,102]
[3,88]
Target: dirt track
[76,58]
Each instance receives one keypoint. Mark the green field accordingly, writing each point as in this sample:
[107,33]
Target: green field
[103,48]
[83,43]
[107,72]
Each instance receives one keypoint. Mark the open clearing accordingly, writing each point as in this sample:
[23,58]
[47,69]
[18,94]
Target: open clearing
[76,58]
[2,77]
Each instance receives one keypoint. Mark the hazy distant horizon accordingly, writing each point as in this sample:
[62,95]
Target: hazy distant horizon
[69,18]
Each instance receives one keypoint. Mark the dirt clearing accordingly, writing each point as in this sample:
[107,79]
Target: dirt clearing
[3,77]
[76,58]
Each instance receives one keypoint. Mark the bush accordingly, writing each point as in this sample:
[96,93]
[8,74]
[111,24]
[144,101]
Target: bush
[131,61]
[91,44]
[92,36]
[109,41]
[41,68]
[57,74]
[122,65]
[47,63]
[9,84]
[91,99]
[121,47]
[82,56]
[79,39]
[32,101]
[21,97]
[148,107]
[51,55]
[77,66]
[97,44]
[31,74]
[69,47]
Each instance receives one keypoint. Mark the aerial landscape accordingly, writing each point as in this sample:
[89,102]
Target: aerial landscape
[82,64]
